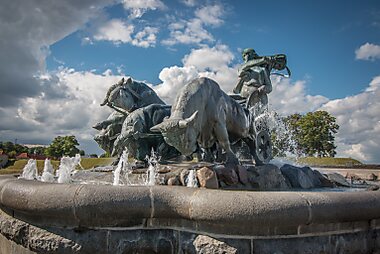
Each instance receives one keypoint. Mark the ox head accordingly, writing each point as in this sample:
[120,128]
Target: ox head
[179,133]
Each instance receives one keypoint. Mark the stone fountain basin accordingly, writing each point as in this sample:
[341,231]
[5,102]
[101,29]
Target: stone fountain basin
[220,213]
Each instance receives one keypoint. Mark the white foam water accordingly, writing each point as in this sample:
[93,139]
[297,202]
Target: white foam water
[192,179]
[30,172]
[48,172]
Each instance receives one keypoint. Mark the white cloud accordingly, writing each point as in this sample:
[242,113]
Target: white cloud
[118,31]
[188,32]
[27,30]
[75,113]
[145,38]
[359,119]
[368,51]
[209,58]
[289,98]
[203,62]
[190,3]
[139,7]
[210,15]
[173,79]
[193,31]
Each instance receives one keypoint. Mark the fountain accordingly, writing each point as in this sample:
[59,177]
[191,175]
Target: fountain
[251,206]
[30,171]
[48,172]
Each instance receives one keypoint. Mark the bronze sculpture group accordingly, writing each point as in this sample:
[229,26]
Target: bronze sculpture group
[203,120]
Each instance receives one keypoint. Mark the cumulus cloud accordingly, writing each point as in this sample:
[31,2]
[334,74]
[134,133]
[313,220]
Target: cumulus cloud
[118,31]
[359,119]
[27,30]
[41,118]
[213,62]
[139,7]
[287,97]
[210,15]
[368,51]
[146,38]
[190,3]
[290,97]
[193,31]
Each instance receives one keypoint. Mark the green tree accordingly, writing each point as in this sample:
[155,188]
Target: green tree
[63,146]
[314,133]
[39,150]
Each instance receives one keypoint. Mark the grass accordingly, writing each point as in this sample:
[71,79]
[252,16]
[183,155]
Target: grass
[329,162]
[87,163]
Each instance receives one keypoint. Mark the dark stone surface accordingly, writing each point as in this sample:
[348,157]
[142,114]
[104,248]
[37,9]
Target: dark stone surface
[227,174]
[352,239]
[303,177]
[267,177]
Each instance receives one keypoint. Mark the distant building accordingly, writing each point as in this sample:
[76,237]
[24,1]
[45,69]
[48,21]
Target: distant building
[34,145]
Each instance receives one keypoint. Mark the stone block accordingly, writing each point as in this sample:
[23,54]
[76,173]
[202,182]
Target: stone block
[243,174]
[227,175]
[207,178]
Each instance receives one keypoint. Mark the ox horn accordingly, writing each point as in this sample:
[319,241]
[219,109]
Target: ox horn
[185,122]
[157,128]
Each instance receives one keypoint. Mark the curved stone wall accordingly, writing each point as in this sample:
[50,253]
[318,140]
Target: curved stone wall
[225,214]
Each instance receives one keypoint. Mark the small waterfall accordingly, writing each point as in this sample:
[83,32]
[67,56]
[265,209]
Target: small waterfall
[30,171]
[120,167]
[48,172]
[283,141]
[67,167]
[192,179]
[152,171]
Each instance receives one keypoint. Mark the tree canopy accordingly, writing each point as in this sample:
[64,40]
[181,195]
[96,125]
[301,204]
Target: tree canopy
[311,134]
[316,134]
[63,146]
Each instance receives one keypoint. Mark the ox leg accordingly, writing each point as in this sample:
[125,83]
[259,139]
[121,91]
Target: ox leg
[222,136]
[252,148]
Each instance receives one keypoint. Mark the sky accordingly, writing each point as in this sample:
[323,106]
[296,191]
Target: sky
[57,59]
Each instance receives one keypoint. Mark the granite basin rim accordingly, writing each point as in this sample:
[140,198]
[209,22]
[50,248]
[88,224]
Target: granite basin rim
[94,206]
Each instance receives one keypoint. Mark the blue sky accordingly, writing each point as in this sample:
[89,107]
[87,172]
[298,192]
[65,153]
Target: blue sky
[57,59]
[319,37]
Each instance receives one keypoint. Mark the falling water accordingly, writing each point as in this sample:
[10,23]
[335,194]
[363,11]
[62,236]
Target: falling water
[121,166]
[30,172]
[67,167]
[152,171]
[48,172]
[192,180]
[284,141]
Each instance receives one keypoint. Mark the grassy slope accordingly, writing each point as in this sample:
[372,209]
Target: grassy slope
[85,162]
[329,162]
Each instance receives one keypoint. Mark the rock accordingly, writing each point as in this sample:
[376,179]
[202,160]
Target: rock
[372,177]
[352,177]
[325,182]
[338,179]
[226,174]
[300,178]
[183,176]
[207,178]
[242,174]
[312,174]
[174,181]
[373,188]
[207,245]
[267,177]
